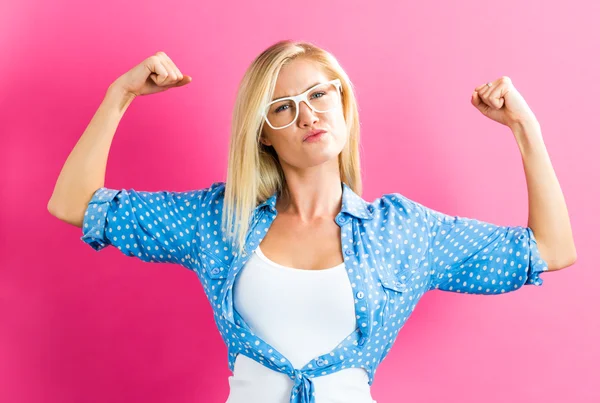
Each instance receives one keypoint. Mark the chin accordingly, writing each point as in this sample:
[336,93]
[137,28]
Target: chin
[324,159]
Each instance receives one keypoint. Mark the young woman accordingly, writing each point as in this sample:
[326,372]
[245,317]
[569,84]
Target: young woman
[309,283]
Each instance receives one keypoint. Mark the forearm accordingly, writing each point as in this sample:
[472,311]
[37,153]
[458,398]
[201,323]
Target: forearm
[84,170]
[548,214]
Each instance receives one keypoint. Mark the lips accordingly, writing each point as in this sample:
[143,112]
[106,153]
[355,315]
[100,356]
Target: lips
[313,133]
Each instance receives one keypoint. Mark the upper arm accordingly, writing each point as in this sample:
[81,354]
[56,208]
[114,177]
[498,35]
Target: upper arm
[476,257]
[152,226]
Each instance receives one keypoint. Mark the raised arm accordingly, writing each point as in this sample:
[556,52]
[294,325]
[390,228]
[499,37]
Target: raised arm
[84,170]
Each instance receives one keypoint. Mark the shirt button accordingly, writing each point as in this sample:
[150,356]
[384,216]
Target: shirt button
[215,271]
[349,252]
[521,236]
[360,295]
[361,341]
[320,362]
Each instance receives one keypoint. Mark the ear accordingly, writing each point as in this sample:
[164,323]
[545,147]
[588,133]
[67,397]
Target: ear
[264,140]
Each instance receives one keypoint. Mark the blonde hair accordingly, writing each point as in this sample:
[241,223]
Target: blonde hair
[254,172]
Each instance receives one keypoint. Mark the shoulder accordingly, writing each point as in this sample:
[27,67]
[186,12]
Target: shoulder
[210,200]
[407,207]
[399,204]
[214,193]
[199,198]
[188,197]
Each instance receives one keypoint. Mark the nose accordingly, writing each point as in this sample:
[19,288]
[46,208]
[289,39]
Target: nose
[306,116]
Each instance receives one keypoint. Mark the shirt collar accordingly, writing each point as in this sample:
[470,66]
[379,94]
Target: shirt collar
[352,204]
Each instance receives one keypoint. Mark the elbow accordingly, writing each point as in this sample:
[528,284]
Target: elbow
[55,210]
[51,208]
[571,257]
[558,256]
[571,260]
[73,219]
[559,264]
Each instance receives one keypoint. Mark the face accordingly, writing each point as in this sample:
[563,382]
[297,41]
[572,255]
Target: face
[292,150]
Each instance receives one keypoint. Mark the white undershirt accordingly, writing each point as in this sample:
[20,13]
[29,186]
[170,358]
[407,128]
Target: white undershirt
[302,314]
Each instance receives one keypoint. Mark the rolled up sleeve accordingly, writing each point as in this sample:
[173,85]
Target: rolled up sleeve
[472,256]
[152,226]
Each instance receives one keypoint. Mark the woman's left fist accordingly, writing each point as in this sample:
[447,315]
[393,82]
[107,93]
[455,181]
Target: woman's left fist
[502,102]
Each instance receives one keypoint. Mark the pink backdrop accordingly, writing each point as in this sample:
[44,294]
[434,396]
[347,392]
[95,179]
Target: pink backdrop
[83,326]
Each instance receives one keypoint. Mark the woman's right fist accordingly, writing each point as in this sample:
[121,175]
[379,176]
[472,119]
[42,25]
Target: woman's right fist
[155,74]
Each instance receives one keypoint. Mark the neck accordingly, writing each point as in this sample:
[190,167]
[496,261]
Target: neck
[312,195]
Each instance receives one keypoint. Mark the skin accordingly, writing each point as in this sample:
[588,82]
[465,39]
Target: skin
[305,220]
[311,169]
[548,215]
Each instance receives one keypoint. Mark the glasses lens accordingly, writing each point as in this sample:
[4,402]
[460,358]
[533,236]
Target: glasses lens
[322,98]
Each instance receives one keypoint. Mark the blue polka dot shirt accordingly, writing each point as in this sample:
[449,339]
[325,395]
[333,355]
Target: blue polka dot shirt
[395,250]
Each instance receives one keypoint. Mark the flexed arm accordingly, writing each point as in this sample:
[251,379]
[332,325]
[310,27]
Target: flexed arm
[548,214]
[84,170]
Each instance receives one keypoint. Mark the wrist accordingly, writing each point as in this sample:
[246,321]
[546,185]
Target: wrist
[528,136]
[525,127]
[119,96]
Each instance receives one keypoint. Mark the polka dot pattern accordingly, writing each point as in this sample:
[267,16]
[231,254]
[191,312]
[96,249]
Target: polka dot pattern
[395,250]
[159,227]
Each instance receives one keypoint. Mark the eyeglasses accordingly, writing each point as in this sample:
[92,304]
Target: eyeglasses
[321,98]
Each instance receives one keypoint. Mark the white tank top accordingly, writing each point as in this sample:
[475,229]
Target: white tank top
[302,314]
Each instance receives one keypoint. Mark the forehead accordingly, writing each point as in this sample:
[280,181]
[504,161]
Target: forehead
[298,76]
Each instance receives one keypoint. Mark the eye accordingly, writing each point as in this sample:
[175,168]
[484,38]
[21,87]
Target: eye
[322,93]
[280,108]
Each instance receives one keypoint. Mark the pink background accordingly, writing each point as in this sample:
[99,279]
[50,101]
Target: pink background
[83,326]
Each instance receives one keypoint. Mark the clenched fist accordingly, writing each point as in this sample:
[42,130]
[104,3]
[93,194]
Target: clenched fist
[155,74]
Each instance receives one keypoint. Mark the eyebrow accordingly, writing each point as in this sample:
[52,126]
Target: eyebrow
[307,88]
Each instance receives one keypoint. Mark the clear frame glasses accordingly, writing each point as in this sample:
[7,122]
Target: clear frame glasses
[321,98]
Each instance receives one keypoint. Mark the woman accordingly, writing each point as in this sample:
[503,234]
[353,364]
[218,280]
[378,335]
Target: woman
[308,282]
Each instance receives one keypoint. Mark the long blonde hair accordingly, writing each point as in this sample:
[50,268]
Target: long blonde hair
[254,172]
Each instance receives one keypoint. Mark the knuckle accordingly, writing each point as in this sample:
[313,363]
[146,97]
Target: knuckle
[154,59]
